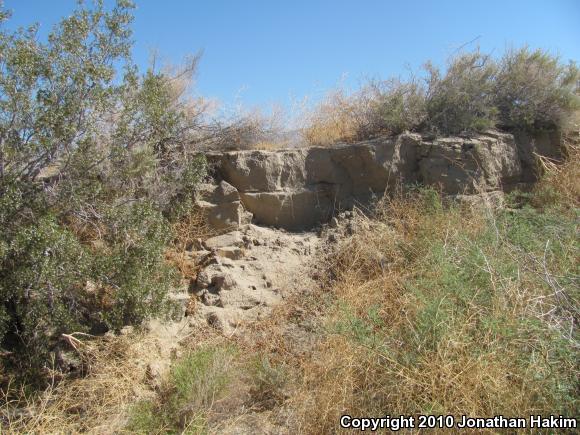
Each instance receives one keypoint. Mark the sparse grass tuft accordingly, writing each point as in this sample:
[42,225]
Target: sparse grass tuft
[194,385]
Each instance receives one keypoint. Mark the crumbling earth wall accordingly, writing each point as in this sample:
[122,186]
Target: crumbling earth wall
[298,188]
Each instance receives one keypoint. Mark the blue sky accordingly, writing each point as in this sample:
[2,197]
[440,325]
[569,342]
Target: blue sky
[265,52]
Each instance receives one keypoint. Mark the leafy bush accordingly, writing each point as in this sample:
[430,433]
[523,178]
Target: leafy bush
[399,106]
[41,272]
[535,90]
[93,169]
[462,98]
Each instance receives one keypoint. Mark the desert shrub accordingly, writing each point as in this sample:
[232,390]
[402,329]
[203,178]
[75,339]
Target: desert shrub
[243,130]
[338,118]
[524,89]
[41,272]
[133,276]
[94,168]
[461,98]
[534,89]
[399,106]
[378,108]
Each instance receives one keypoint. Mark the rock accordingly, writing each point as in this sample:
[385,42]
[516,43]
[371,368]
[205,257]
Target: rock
[291,210]
[227,192]
[222,281]
[261,170]
[154,374]
[334,222]
[233,238]
[214,320]
[214,278]
[217,194]
[231,252]
[199,256]
[221,205]
[300,188]
[295,189]
[226,215]
[458,165]
[210,299]
[203,279]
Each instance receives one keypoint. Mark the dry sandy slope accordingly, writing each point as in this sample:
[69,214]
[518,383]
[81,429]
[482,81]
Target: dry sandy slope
[249,271]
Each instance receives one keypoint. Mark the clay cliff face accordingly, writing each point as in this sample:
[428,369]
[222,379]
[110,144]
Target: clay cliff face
[298,188]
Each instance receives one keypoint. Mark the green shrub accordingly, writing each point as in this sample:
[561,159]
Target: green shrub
[133,273]
[461,99]
[40,284]
[535,90]
[399,106]
[86,198]
[524,89]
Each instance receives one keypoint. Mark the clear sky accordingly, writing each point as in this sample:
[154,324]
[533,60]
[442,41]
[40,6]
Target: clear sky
[264,52]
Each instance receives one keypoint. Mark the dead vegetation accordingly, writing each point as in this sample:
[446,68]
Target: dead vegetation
[243,130]
[92,403]
[189,231]
[560,181]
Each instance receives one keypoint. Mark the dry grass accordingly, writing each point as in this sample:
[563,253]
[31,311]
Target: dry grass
[436,315]
[94,403]
[334,120]
[561,182]
[424,310]
[243,130]
[268,145]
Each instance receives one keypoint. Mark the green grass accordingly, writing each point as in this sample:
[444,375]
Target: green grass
[475,316]
[195,382]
